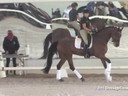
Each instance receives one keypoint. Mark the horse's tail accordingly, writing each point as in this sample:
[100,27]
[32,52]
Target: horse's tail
[52,51]
[47,40]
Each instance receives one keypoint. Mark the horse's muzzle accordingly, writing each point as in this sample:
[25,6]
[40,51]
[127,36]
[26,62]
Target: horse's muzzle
[116,44]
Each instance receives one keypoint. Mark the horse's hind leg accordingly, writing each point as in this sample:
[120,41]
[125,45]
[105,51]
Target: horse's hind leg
[59,65]
[107,65]
[74,70]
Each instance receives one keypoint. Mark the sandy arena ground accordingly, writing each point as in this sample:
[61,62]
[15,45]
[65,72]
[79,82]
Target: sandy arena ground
[41,85]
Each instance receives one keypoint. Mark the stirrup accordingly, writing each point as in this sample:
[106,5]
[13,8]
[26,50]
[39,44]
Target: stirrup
[86,56]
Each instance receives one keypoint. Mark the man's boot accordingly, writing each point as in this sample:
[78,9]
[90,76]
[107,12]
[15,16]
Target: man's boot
[86,51]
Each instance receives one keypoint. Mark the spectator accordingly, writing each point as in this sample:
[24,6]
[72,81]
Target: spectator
[10,46]
[66,12]
[90,6]
[113,10]
[124,8]
[56,14]
[100,8]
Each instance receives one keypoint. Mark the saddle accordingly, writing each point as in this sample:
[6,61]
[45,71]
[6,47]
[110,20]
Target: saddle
[79,43]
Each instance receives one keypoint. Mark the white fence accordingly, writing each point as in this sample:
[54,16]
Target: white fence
[79,68]
[12,1]
[48,26]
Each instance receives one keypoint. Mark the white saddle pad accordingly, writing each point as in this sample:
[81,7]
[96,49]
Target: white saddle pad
[78,43]
[72,32]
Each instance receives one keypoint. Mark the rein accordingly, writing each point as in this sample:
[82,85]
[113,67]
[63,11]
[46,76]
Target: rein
[103,29]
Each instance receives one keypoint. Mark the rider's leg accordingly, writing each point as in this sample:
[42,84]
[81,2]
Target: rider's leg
[76,27]
[84,36]
[85,39]
[76,32]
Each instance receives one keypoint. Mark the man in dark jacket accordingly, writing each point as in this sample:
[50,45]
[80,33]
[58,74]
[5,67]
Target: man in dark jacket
[10,46]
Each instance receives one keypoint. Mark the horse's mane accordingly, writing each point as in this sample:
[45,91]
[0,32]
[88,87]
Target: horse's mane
[106,28]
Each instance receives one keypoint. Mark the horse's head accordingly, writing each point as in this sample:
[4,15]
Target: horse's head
[116,35]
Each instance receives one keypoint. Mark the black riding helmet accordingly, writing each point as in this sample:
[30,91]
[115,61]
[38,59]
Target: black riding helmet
[74,4]
[85,11]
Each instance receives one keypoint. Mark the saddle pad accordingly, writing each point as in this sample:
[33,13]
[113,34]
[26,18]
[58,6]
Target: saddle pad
[78,43]
[72,32]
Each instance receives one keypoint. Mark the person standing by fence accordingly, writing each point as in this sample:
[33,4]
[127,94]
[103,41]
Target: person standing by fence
[11,46]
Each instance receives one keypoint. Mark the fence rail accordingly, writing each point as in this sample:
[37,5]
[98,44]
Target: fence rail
[80,68]
[48,26]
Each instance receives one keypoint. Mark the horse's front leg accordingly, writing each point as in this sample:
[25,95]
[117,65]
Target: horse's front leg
[107,65]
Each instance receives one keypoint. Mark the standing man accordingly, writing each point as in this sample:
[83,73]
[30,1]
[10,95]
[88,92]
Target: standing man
[73,16]
[85,30]
[10,46]
[66,12]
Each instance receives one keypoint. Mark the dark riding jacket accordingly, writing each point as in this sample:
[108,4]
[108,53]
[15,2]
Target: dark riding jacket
[11,45]
[86,21]
[73,15]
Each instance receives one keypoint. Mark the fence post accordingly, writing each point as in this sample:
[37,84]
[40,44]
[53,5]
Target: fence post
[27,50]
[2,72]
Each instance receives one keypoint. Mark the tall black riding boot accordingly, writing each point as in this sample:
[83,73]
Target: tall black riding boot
[86,51]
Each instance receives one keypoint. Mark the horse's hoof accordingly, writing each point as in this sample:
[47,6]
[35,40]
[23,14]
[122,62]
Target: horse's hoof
[44,71]
[61,80]
[82,79]
[109,79]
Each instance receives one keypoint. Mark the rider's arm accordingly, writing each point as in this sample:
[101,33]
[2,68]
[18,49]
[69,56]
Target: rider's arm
[85,28]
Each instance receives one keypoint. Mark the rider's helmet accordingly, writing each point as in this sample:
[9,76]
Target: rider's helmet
[85,11]
[74,4]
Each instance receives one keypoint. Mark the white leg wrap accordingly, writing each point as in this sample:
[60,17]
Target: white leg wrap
[108,72]
[78,74]
[58,75]
[109,67]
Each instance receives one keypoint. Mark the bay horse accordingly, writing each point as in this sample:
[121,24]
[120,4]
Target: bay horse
[66,49]
[61,33]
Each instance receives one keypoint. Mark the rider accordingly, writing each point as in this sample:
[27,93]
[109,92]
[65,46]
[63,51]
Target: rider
[73,17]
[85,30]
